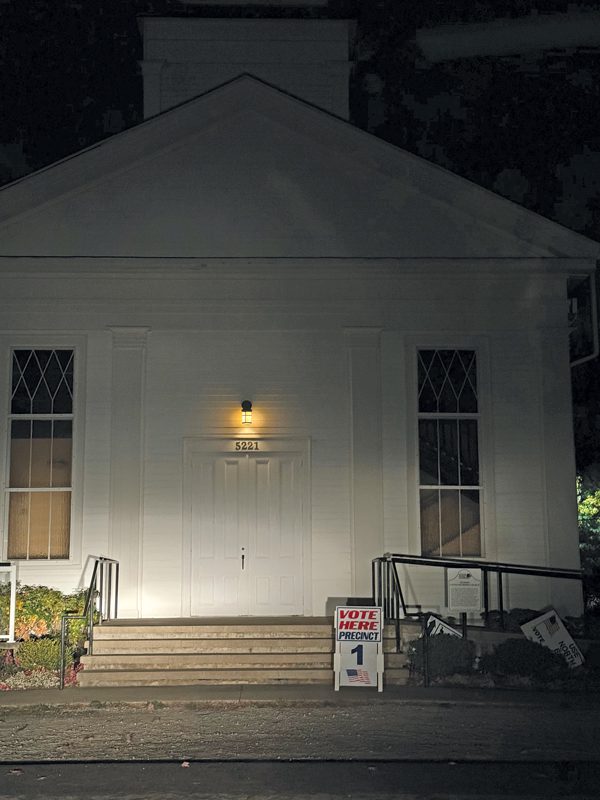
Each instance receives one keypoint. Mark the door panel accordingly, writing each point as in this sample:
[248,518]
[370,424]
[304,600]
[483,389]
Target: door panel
[275,535]
[219,586]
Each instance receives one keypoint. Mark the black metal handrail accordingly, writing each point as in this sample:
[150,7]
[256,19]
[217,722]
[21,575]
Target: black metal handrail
[387,589]
[103,591]
[101,603]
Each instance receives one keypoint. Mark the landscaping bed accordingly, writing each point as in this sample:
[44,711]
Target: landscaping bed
[33,661]
[507,659]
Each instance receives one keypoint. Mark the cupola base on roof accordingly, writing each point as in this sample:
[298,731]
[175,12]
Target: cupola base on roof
[183,58]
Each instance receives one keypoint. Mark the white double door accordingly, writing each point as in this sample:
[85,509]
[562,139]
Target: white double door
[247,532]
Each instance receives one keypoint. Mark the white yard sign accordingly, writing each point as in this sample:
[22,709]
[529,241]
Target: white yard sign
[549,631]
[436,626]
[358,658]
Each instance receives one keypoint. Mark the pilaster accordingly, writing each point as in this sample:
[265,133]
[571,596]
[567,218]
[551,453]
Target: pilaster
[364,363]
[126,503]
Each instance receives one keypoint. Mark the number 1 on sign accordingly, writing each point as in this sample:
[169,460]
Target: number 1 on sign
[359,654]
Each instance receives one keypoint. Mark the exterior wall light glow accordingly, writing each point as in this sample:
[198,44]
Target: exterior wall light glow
[246,412]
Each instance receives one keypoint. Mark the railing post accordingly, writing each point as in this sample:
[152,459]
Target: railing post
[63,636]
[109,590]
[91,629]
[500,600]
[101,592]
[486,597]
[425,639]
[373,587]
[116,608]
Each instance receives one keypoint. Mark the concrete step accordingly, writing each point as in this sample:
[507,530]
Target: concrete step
[194,677]
[395,677]
[395,660]
[108,631]
[171,645]
[258,645]
[175,661]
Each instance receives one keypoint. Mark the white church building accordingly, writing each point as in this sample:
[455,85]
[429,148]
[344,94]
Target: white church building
[397,334]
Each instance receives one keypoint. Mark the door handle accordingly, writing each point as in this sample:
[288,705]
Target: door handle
[243,558]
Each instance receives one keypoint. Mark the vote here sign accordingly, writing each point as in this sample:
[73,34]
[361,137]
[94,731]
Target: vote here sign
[358,624]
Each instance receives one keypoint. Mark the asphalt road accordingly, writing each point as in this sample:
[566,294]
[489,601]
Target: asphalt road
[299,781]
[405,731]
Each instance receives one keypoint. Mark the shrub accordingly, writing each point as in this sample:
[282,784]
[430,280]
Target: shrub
[513,619]
[40,654]
[526,659]
[39,609]
[447,655]
[584,627]
[592,657]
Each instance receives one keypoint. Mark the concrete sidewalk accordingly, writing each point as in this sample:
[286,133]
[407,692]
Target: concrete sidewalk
[290,695]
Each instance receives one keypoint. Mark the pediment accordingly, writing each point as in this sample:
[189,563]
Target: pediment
[247,171]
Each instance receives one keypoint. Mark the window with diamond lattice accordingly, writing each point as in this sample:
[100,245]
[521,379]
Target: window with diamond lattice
[41,438]
[449,479]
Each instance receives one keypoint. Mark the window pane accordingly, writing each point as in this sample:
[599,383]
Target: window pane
[428,452]
[59,379]
[469,456]
[448,433]
[42,382]
[471,524]
[450,523]
[41,453]
[18,524]
[60,521]
[427,395]
[21,397]
[61,453]
[468,393]
[447,381]
[20,453]
[430,522]
[39,524]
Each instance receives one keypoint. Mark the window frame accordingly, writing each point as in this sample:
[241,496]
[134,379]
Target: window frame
[45,342]
[480,346]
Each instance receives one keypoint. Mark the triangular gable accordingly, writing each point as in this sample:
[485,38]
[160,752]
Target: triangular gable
[247,171]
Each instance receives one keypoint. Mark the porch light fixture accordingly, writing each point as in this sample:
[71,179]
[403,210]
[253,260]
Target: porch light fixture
[246,412]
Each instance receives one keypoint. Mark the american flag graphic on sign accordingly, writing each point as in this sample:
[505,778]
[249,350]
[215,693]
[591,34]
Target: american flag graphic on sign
[358,676]
[551,625]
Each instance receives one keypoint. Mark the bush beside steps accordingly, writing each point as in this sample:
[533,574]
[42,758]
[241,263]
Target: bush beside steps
[516,662]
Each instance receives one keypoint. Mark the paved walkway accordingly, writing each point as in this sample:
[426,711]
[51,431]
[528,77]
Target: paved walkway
[323,695]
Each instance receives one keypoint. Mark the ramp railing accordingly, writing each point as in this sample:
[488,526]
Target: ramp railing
[388,593]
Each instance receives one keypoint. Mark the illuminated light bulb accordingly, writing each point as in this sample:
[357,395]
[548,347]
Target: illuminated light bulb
[246,412]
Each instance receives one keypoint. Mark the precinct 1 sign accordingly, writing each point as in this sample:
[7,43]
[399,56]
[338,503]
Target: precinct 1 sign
[358,657]
[357,624]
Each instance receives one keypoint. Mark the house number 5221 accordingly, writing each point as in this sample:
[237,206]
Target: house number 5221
[246,446]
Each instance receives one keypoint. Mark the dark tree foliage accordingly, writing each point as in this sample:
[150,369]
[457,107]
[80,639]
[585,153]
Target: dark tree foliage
[493,113]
